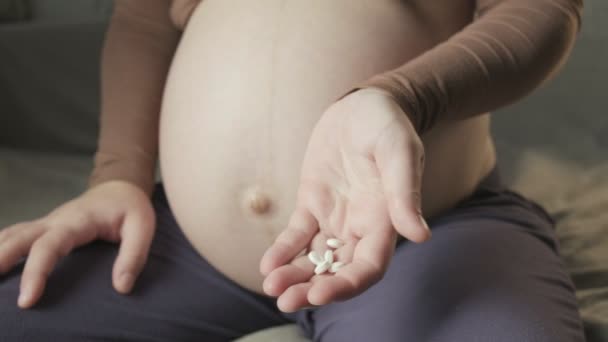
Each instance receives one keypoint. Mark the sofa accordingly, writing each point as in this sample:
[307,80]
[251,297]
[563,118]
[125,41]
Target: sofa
[551,146]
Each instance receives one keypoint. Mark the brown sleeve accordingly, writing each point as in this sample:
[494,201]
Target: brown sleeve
[138,50]
[510,49]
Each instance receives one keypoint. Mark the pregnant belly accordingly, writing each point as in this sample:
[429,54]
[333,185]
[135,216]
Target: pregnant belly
[248,83]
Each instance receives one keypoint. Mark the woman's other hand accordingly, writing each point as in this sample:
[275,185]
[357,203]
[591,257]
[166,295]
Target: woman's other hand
[360,182]
[114,211]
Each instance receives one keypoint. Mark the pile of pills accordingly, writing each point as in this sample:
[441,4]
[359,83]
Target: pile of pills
[326,262]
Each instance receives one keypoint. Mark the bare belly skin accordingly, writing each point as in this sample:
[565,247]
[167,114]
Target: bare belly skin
[249,81]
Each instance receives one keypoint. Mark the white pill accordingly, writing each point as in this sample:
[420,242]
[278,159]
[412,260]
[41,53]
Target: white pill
[315,257]
[336,266]
[335,243]
[322,267]
[329,256]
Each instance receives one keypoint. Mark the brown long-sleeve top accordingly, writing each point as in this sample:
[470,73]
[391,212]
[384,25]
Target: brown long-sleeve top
[510,48]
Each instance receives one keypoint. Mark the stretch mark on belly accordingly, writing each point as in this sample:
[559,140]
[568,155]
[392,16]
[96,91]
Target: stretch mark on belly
[256,200]
[268,167]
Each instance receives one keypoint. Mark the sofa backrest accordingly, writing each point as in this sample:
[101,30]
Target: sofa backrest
[49,76]
[562,128]
[65,11]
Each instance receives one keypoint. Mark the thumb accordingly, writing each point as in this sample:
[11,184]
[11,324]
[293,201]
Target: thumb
[136,235]
[400,160]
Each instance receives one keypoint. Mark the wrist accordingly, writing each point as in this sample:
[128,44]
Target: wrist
[136,171]
[374,93]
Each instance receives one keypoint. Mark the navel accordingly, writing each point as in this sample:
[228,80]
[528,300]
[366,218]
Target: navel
[257,201]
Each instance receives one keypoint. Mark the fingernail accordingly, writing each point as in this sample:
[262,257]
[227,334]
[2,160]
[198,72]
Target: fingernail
[424,224]
[125,281]
[24,298]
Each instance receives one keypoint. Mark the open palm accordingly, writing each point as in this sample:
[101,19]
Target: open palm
[360,183]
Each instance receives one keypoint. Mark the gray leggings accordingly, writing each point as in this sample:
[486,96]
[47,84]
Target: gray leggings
[491,272]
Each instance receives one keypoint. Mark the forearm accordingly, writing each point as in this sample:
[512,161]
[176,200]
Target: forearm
[512,47]
[138,50]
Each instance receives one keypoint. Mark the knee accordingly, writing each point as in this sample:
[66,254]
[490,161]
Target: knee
[505,322]
[488,316]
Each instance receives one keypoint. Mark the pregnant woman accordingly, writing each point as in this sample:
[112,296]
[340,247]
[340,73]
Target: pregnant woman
[280,124]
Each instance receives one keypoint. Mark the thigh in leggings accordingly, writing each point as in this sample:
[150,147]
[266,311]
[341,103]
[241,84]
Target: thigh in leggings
[178,297]
[491,272]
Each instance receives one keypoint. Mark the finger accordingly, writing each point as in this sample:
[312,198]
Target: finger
[299,271]
[301,228]
[350,280]
[16,242]
[294,298]
[136,235]
[370,259]
[400,160]
[6,233]
[16,229]
[44,254]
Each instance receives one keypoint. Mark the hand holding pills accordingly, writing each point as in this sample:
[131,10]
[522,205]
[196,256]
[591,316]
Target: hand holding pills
[359,187]
[327,261]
